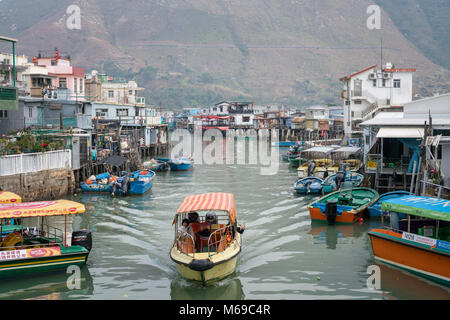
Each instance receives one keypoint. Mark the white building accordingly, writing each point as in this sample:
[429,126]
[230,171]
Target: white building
[369,91]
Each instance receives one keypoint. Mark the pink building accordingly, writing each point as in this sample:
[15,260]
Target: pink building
[69,81]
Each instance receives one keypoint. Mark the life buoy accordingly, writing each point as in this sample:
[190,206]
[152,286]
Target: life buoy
[144,172]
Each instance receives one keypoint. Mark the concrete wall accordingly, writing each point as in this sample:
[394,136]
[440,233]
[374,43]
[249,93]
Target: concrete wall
[41,185]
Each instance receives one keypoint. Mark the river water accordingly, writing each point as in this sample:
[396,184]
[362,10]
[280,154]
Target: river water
[283,256]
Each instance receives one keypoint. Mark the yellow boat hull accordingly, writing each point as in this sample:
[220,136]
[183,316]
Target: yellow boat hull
[221,264]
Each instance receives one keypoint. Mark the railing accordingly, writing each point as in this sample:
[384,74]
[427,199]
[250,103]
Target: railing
[49,233]
[34,162]
[220,240]
[183,247]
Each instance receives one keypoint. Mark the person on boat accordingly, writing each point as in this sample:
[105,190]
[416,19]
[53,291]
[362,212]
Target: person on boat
[185,229]
[311,168]
[193,217]
[210,219]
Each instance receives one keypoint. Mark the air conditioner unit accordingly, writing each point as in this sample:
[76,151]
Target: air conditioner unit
[387,75]
[372,76]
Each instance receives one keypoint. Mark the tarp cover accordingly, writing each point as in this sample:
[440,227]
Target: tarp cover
[427,207]
[400,132]
[114,160]
[40,209]
[9,197]
[210,201]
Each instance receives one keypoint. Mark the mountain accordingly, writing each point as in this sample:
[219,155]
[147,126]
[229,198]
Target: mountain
[197,52]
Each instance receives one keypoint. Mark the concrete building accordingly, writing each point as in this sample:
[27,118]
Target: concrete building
[369,91]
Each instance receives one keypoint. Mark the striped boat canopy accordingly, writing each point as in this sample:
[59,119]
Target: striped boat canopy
[40,209]
[210,201]
[9,197]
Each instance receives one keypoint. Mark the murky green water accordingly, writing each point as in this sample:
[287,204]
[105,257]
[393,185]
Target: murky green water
[283,256]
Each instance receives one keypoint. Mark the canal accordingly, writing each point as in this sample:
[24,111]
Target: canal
[283,255]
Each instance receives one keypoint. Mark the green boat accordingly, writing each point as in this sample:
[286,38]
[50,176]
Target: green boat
[345,206]
[28,244]
[296,162]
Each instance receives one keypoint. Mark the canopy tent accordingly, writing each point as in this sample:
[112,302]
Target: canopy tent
[426,207]
[9,197]
[317,152]
[40,209]
[209,201]
[345,152]
[116,161]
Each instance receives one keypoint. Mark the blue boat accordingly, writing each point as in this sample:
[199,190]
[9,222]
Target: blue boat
[308,185]
[375,209]
[351,180]
[283,144]
[102,183]
[181,164]
[141,181]
[157,165]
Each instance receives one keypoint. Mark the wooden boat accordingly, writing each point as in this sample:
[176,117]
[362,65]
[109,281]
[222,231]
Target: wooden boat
[345,206]
[375,209]
[419,244]
[99,183]
[35,246]
[319,170]
[9,197]
[207,258]
[181,164]
[308,185]
[156,165]
[353,165]
[139,182]
[351,180]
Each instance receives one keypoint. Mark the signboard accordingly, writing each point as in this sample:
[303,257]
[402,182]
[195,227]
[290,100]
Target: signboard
[29,253]
[419,239]
[443,245]
[372,165]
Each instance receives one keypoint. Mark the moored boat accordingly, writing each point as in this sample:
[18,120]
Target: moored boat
[317,168]
[209,251]
[420,243]
[350,180]
[181,164]
[99,183]
[283,144]
[9,197]
[137,183]
[156,165]
[344,206]
[375,209]
[297,161]
[308,185]
[34,246]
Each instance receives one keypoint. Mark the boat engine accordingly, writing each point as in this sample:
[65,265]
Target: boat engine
[331,212]
[82,238]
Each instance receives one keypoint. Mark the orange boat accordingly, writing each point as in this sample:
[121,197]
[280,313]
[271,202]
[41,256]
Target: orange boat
[344,206]
[419,244]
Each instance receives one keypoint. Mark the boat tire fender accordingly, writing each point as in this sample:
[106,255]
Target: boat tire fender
[201,265]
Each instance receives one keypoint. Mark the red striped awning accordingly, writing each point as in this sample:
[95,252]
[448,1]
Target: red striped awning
[210,201]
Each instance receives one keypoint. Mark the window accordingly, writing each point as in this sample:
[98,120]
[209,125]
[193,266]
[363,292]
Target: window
[30,112]
[3,114]
[358,102]
[54,63]
[75,87]
[81,85]
[111,94]
[396,83]
[130,92]
[101,112]
[383,84]
[62,82]
[245,119]
[374,82]
[122,112]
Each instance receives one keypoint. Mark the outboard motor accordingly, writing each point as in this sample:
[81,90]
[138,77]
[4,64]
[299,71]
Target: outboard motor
[311,168]
[331,212]
[82,238]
